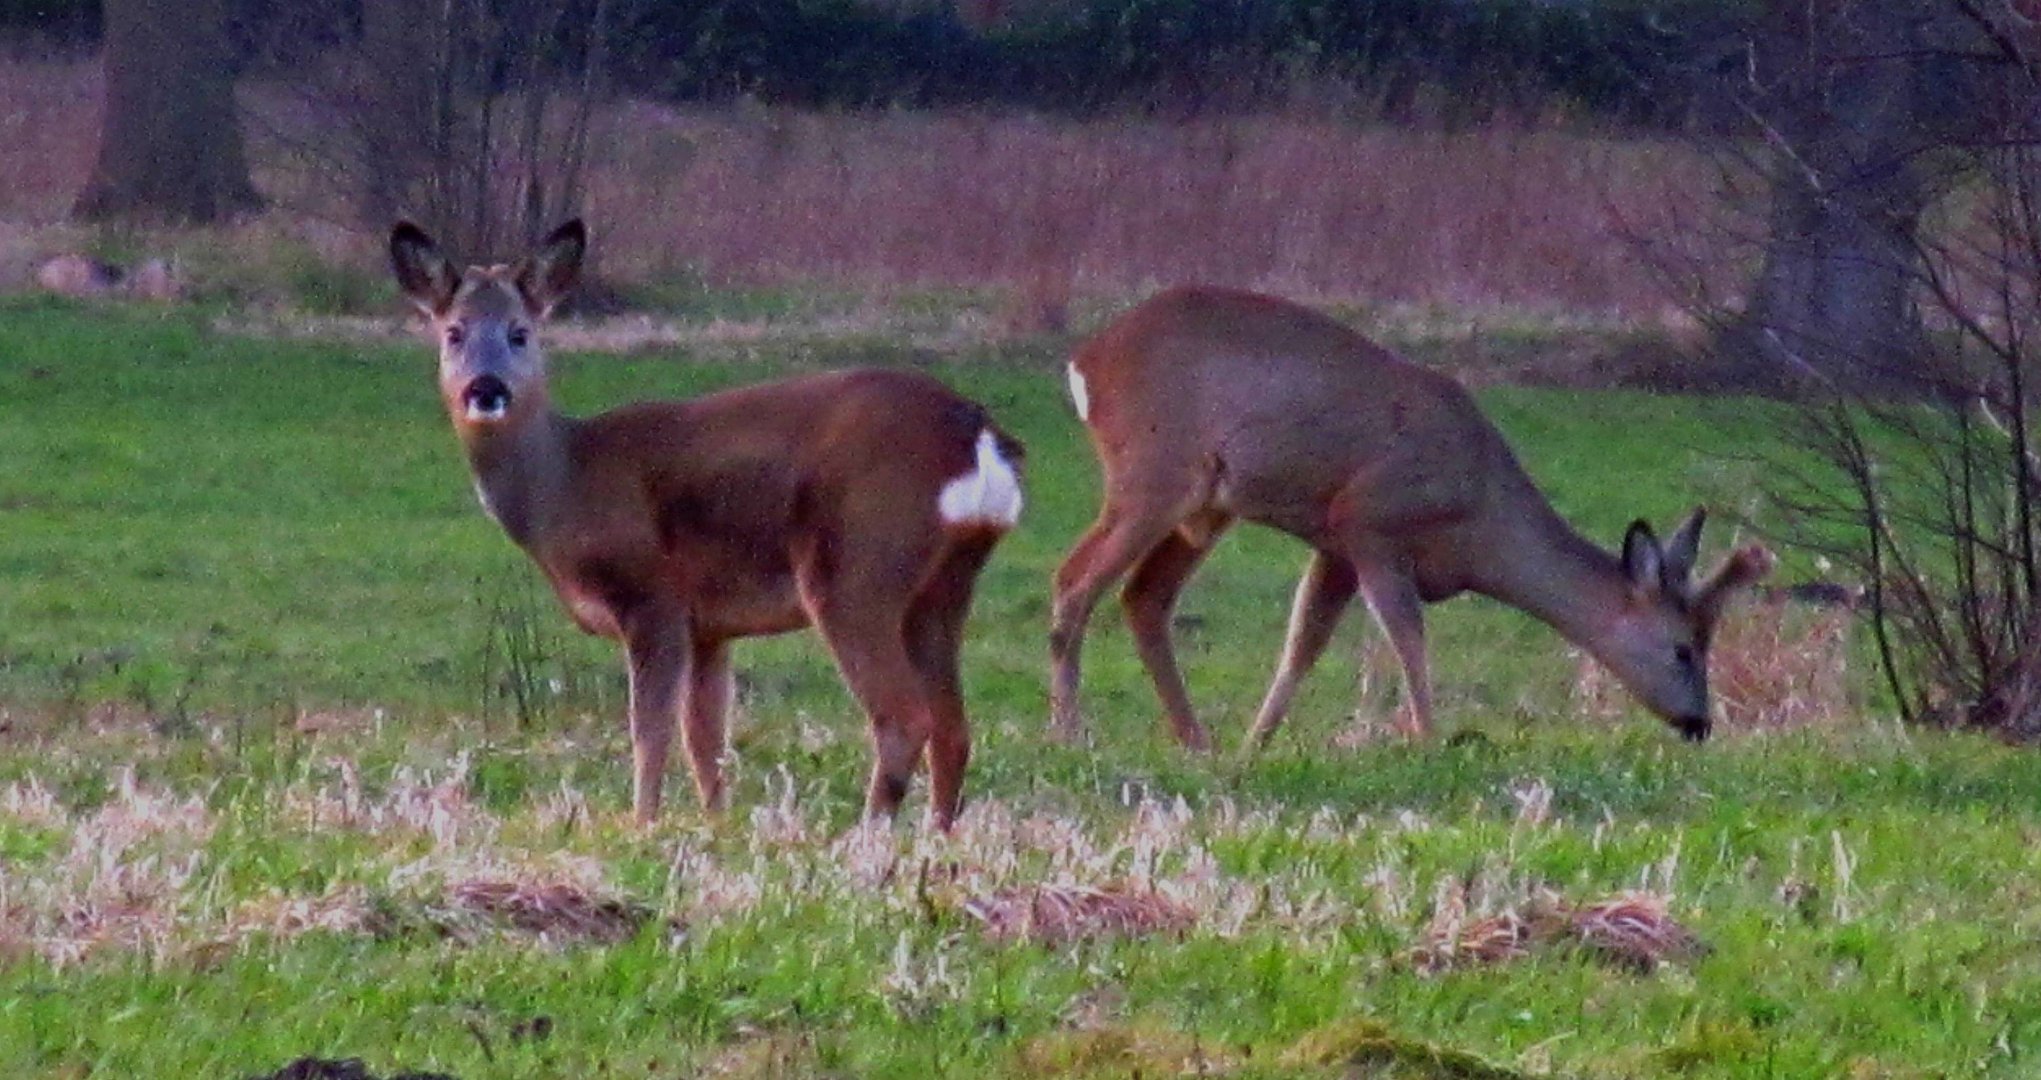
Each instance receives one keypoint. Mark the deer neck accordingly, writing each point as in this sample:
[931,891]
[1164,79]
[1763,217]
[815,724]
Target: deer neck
[1552,572]
[522,470]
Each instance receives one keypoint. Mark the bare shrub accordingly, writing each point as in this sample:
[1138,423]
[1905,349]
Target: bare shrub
[1935,503]
[472,117]
[1894,211]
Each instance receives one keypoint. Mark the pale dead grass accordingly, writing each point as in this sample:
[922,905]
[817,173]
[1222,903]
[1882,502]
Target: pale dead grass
[123,881]
[767,1055]
[137,874]
[415,802]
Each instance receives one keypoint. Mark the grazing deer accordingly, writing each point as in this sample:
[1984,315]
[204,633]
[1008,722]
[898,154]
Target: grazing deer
[862,502]
[1207,405]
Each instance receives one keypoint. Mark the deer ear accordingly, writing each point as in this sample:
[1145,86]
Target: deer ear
[1742,569]
[549,275]
[1684,546]
[423,273]
[1643,560]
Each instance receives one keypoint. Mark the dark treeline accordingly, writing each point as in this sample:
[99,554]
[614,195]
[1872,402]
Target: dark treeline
[1636,61]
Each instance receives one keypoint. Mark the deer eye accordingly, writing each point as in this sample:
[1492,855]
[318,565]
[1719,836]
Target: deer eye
[455,335]
[1683,655]
[519,337]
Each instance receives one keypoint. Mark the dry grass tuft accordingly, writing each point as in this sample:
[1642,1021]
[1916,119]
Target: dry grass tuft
[1060,914]
[346,910]
[121,884]
[1779,665]
[550,911]
[555,912]
[1633,930]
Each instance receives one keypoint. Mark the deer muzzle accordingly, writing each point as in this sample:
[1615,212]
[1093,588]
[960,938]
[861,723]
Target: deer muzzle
[486,398]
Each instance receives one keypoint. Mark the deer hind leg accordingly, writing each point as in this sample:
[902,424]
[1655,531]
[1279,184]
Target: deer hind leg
[1392,596]
[704,714]
[861,613]
[1328,586]
[657,652]
[1149,599]
[935,636]
[1126,531]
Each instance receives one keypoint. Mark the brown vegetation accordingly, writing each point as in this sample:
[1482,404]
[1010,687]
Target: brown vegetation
[1633,930]
[1045,211]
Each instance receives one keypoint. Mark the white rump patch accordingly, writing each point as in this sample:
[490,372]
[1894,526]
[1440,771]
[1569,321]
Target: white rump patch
[989,494]
[1078,395]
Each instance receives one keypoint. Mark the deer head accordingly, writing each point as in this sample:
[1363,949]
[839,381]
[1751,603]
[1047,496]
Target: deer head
[491,368]
[1657,643]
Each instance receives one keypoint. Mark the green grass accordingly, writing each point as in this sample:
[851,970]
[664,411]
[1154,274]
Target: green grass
[253,574]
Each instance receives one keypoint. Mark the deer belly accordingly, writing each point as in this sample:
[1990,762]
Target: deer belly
[744,594]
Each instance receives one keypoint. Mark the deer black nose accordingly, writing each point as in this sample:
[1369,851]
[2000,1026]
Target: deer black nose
[486,398]
[1693,728]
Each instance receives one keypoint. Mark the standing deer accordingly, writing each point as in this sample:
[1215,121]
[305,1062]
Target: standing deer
[861,502]
[1207,405]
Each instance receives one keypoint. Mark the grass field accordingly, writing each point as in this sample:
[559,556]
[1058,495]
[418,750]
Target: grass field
[281,713]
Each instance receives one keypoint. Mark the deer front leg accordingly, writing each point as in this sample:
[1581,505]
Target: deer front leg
[1322,596]
[658,657]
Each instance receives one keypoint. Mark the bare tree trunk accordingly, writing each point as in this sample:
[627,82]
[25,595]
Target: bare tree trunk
[1852,97]
[1834,299]
[170,148]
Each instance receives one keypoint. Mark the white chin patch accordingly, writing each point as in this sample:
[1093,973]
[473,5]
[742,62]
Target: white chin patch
[489,413]
[987,495]
[1078,395]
